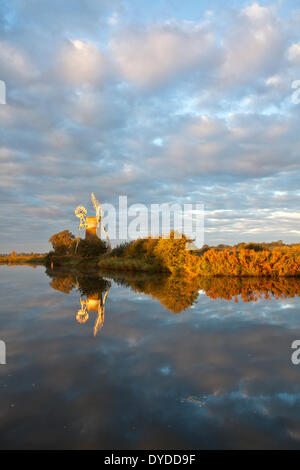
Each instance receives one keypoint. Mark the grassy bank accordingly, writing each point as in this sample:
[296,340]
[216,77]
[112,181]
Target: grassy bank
[129,264]
[32,259]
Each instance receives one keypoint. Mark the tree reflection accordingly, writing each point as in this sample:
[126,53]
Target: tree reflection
[178,293]
[175,293]
[250,289]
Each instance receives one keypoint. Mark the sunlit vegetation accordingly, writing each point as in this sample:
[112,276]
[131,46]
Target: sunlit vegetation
[71,251]
[169,255]
[64,243]
[31,259]
[278,262]
[150,254]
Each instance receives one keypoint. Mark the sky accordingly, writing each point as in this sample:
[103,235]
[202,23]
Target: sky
[162,101]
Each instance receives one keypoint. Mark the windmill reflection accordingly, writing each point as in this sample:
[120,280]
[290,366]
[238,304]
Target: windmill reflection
[93,303]
[93,292]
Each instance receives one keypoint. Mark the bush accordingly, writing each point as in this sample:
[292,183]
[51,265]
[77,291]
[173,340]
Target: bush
[91,248]
[120,250]
[254,246]
[279,262]
[171,252]
[141,248]
[164,254]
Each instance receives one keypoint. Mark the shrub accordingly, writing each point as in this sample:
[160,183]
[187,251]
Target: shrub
[166,254]
[120,249]
[279,262]
[62,242]
[91,248]
[254,246]
[171,252]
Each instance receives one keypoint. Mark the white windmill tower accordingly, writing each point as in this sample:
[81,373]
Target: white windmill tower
[91,224]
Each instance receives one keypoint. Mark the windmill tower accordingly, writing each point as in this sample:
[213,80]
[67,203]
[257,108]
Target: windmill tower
[91,224]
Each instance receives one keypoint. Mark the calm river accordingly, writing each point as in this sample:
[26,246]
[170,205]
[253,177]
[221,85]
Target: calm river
[141,362]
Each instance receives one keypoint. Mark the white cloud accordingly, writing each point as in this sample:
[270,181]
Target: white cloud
[81,62]
[294,53]
[274,81]
[253,46]
[151,57]
[257,13]
[114,19]
[15,64]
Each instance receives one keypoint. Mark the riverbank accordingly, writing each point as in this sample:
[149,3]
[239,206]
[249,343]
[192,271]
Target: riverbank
[170,255]
[32,259]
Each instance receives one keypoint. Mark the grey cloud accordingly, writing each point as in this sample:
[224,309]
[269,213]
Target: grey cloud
[186,111]
[152,57]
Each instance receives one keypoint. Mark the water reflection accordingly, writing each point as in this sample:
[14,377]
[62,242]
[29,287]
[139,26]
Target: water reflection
[176,294]
[218,376]
[93,292]
[93,303]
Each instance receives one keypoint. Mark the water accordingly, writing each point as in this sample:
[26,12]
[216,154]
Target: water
[120,370]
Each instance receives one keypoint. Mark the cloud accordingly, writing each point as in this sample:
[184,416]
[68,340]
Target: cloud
[16,64]
[254,45]
[80,62]
[244,146]
[149,58]
[156,106]
[294,53]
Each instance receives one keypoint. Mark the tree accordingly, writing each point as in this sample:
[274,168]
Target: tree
[91,248]
[62,242]
[172,252]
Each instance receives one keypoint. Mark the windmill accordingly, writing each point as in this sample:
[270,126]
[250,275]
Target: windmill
[90,224]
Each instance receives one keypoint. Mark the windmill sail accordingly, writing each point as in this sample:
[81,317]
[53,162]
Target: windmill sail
[91,223]
[98,209]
